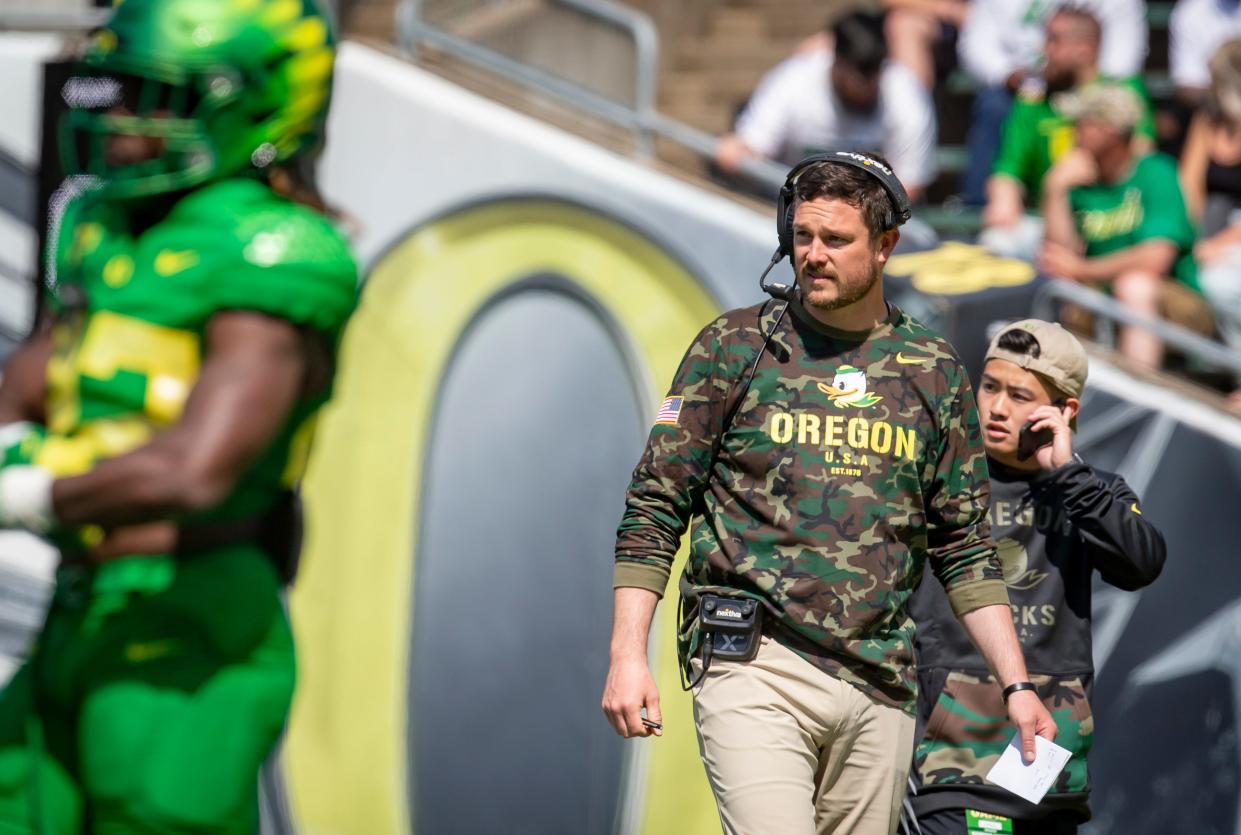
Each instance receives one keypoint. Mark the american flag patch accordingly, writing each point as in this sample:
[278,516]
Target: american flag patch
[670,412]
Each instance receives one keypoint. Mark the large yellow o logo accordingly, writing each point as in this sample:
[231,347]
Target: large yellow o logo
[346,755]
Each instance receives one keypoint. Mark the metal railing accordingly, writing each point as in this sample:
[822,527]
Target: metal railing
[1207,350]
[647,123]
[642,118]
[35,18]
[412,27]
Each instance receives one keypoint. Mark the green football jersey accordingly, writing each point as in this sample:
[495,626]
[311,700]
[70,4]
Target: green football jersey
[133,306]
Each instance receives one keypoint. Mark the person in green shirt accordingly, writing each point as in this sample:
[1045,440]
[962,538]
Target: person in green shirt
[1037,133]
[1116,220]
[155,425]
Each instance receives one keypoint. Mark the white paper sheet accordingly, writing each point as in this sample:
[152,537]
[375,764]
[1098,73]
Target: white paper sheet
[1029,781]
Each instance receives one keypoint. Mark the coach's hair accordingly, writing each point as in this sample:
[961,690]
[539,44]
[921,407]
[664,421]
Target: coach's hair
[853,186]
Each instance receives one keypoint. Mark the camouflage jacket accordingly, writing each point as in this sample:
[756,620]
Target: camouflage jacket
[1053,531]
[851,459]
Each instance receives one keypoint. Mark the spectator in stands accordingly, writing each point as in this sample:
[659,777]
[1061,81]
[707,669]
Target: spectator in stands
[846,96]
[1036,133]
[1211,178]
[1116,219]
[919,30]
[1000,48]
[1195,31]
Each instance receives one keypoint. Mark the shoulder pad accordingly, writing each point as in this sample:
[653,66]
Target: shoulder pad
[267,229]
[288,260]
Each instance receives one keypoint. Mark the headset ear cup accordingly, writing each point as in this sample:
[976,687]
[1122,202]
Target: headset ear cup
[784,219]
[786,230]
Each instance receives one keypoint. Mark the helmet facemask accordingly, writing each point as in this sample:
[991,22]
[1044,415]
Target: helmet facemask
[201,118]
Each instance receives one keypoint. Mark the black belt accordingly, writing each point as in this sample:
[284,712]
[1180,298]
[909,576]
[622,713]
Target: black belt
[277,531]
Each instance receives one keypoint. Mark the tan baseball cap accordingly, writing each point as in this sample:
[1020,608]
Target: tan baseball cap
[1061,359]
[1114,104]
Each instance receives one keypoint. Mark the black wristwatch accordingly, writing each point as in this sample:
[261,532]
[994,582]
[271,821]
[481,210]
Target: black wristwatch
[1017,687]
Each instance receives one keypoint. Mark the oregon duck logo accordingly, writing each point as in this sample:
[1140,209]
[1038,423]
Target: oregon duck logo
[1016,563]
[848,388]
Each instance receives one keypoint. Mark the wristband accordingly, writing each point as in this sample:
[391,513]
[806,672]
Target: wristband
[1017,687]
[26,498]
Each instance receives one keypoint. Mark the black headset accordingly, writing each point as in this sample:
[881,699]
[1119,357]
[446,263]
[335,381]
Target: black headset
[786,203]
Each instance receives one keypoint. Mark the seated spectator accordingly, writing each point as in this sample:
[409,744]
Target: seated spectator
[919,30]
[1036,133]
[1195,31]
[1211,178]
[1000,47]
[1116,219]
[846,96]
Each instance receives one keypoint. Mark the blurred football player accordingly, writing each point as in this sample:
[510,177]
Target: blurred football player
[155,425]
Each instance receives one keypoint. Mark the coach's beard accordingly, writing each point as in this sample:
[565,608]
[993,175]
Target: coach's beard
[850,293]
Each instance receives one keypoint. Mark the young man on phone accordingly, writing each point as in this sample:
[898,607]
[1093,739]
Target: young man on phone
[1056,520]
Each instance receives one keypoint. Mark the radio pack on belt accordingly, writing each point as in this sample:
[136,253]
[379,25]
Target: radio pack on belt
[732,625]
[716,626]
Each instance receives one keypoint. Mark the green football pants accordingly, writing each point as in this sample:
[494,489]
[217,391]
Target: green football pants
[155,691]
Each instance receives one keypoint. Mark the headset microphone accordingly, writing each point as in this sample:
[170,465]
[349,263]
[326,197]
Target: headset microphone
[785,292]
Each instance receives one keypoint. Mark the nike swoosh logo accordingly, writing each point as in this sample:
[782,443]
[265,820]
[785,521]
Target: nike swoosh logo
[168,262]
[1134,508]
[904,360]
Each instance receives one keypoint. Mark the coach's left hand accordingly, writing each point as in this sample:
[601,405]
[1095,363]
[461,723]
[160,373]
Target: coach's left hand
[1029,715]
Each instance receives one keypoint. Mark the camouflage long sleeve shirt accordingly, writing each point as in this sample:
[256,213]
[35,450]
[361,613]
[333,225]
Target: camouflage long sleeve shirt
[851,460]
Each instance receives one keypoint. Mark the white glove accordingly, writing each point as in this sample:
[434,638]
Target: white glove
[26,498]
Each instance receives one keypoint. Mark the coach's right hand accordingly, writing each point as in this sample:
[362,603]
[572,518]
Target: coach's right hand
[631,687]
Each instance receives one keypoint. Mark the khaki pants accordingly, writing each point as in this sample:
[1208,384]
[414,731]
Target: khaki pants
[790,750]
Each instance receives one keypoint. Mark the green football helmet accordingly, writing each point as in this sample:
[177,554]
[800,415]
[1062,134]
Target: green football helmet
[214,88]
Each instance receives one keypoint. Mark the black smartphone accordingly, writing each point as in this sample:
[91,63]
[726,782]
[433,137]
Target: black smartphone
[1028,441]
